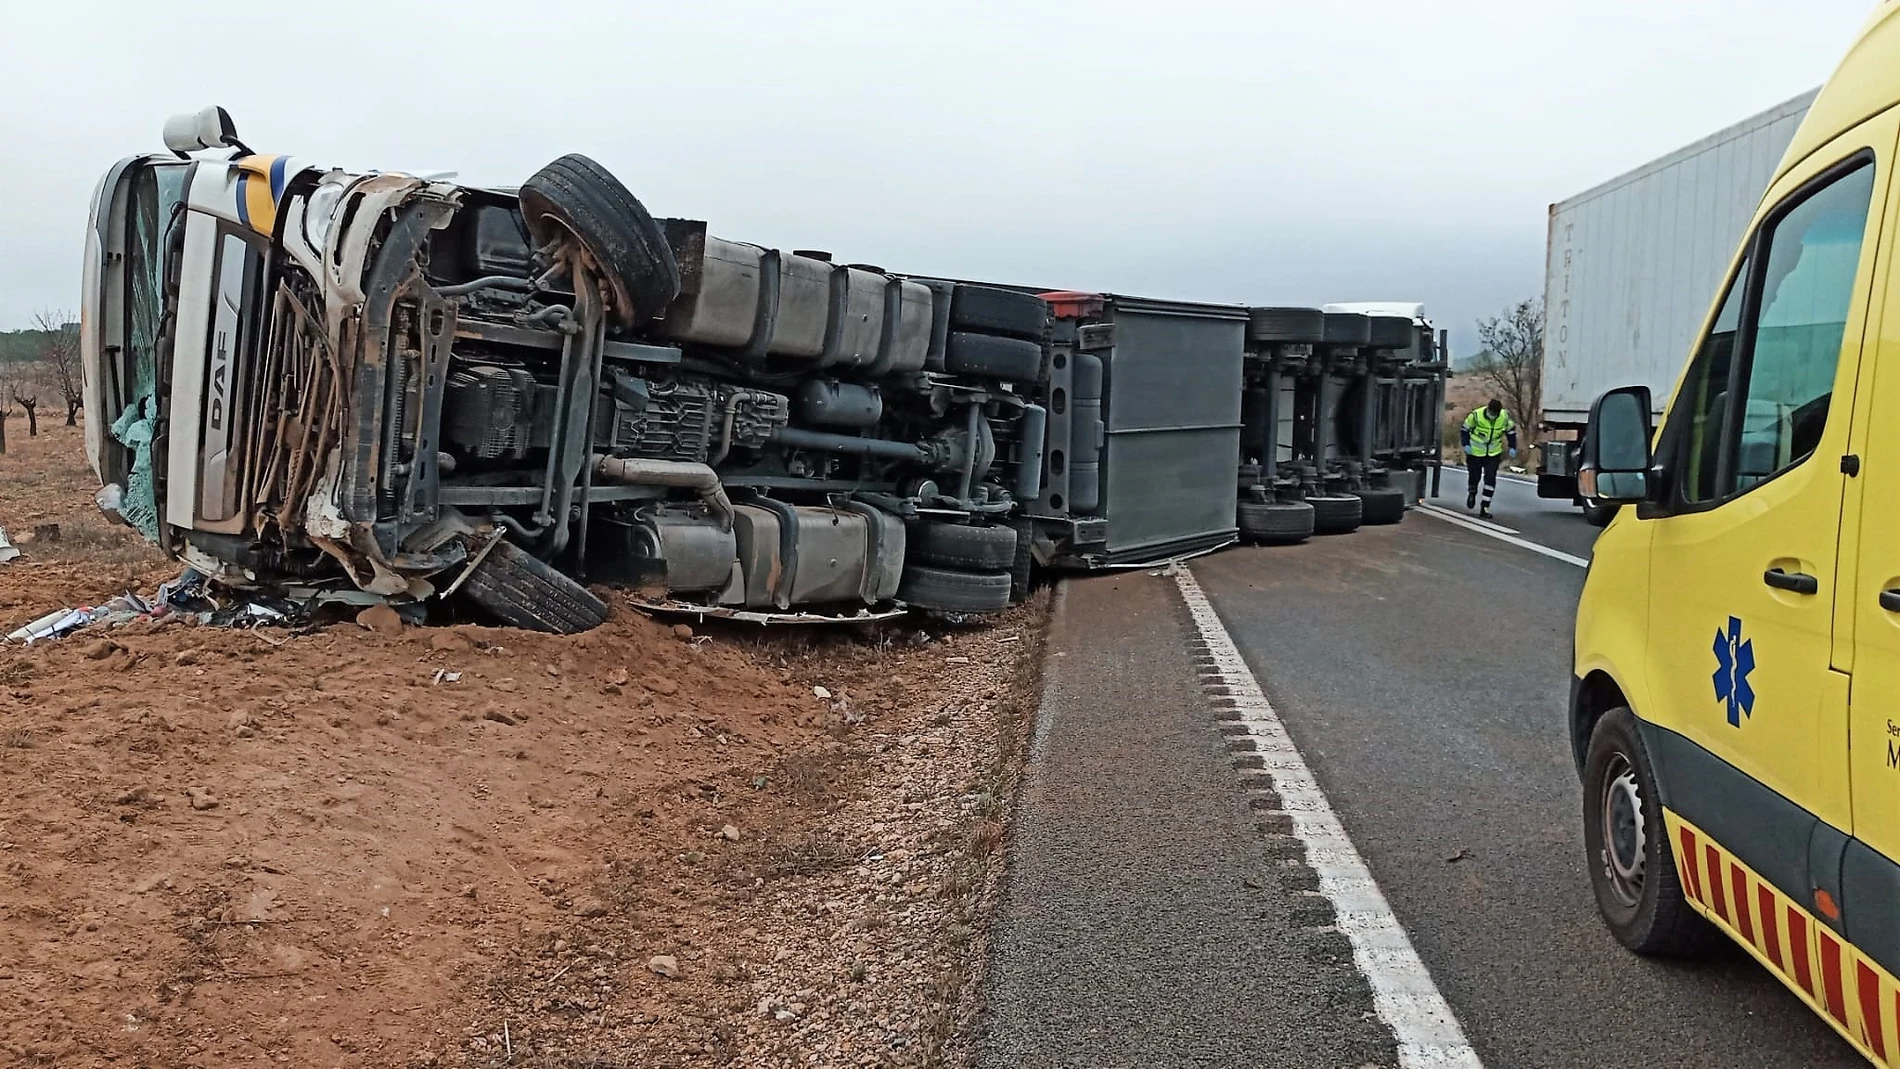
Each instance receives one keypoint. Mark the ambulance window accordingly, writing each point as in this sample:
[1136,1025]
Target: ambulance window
[1704,394]
[1807,288]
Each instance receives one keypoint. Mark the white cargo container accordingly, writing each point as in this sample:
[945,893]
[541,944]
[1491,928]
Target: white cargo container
[1633,265]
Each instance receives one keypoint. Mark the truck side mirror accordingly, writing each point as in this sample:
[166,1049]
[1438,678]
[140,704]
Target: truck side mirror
[197,131]
[1616,449]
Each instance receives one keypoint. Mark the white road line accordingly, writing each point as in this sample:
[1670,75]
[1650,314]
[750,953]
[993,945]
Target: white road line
[1443,511]
[1472,525]
[1428,1033]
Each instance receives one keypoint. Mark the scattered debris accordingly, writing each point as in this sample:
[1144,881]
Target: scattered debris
[665,965]
[200,798]
[443,675]
[7,550]
[1462,855]
[729,833]
[821,693]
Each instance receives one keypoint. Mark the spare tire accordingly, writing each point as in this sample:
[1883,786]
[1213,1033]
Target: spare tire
[578,196]
[1348,328]
[947,590]
[1276,522]
[1287,326]
[1336,513]
[1392,332]
[1380,507]
[994,357]
[988,310]
[523,591]
[953,545]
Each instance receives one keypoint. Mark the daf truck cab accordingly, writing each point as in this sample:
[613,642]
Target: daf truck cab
[304,375]
[1738,638]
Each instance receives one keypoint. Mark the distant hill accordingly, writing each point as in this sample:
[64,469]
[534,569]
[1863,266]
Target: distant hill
[20,346]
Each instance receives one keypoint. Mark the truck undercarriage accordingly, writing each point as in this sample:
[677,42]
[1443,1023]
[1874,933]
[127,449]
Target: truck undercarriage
[502,395]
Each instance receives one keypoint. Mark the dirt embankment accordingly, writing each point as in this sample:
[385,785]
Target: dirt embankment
[474,846]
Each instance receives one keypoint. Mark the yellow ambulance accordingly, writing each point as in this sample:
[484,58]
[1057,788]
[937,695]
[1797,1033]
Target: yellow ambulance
[1736,706]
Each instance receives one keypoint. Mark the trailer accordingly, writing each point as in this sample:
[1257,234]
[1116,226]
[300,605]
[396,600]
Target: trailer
[1628,270]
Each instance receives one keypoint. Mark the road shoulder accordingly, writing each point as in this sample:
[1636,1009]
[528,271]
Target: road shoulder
[1151,916]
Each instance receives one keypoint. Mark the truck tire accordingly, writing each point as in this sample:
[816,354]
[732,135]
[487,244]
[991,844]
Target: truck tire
[1350,329]
[988,310]
[1336,513]
[994,357]
[577,195]
[1599,516]
[1382,507]
[1626,845]
[1276,523]
[1391,332]
[1287,326]
[1022,570]
[954,545]
[523,591]
[946,590]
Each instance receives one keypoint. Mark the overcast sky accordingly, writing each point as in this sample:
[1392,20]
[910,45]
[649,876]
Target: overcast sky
[1263,152]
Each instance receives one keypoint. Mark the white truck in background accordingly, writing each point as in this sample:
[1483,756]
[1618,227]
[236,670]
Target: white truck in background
[1629,269]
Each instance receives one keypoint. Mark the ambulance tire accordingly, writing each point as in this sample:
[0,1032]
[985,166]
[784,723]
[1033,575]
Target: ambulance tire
[577,196]
[1626,844]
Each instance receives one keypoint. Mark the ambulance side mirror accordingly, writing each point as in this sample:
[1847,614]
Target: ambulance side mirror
[1616,454]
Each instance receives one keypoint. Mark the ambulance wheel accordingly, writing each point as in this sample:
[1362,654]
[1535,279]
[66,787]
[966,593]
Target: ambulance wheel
[1632,867]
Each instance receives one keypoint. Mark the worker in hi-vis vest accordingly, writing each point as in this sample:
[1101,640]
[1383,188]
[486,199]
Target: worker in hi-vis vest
[1487,432]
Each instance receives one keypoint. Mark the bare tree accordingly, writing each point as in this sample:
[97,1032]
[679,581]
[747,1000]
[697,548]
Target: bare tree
[30,402]
[1513,361]
[59,359]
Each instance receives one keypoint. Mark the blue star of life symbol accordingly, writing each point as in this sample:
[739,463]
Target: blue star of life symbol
[1734,660]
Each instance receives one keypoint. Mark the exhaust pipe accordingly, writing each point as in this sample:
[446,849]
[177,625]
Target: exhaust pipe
[636,471]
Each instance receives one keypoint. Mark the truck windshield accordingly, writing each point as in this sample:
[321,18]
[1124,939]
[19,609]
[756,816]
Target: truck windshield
[157,195]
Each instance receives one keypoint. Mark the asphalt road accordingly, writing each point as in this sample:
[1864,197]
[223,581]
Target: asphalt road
[1422,670]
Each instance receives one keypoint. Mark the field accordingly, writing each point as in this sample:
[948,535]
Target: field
[650,845]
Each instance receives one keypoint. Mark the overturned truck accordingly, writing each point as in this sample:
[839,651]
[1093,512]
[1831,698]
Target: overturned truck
[308,378]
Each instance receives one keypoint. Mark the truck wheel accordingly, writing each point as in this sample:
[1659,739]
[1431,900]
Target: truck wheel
[1336,513]
[1276,523]
[1288,326]
[944,590]
[1348,329]
[522,591]
[1381,507]
[988,310]
[1599,515]
[1022,570]
[952,545]
[1632,867]
[577,195]
[994,357]
[1392,332]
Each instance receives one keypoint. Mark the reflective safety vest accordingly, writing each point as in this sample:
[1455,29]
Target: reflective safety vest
[1488,435]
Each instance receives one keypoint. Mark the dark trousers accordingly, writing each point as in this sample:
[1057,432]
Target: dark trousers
[1485,470]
